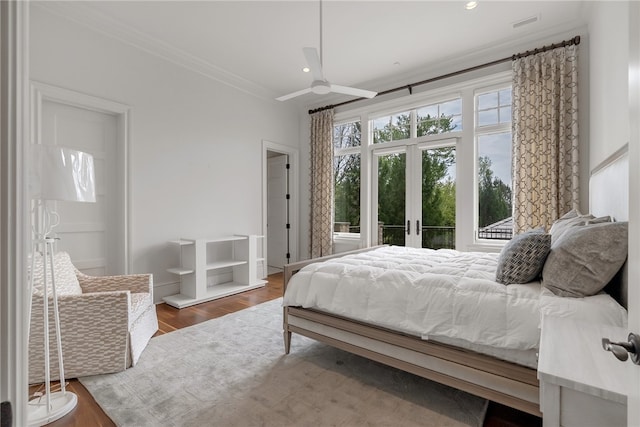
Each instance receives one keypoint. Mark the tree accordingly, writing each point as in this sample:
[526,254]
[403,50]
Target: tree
[347,175]
[494,195]
[347,189]
[438,188]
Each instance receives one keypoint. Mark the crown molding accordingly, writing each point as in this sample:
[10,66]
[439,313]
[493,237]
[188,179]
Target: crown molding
[94,20]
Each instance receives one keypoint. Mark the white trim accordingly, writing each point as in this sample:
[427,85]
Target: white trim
[633,399]
[99,22]
[41,92]
[14,209]
[293,191]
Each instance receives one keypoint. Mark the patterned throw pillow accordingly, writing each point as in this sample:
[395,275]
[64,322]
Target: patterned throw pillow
[522,258]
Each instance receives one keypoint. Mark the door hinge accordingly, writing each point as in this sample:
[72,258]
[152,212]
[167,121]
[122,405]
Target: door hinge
[288,255]
[288,196]
[288,166]
[288,227]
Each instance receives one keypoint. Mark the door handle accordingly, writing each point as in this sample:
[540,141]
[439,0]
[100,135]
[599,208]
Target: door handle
[408,227]
[622,350]
[417,227]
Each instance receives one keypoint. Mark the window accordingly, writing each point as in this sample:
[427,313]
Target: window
[494,108]
[391,128]
[416,188]
[439,118]
[493,139]
[346,169]
[431,169]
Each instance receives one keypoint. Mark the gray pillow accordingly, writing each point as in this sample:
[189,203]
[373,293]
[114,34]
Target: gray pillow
[573,218]
[585,259]
[570,219]
[522,258]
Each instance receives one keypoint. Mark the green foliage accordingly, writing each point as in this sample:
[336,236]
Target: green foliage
[391,188]
[494,195]
[438,187]
[347,189]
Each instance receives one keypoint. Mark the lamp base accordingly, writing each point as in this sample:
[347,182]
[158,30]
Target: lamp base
[61,404]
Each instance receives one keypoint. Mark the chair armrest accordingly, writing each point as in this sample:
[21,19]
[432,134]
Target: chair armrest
[97,308]
[94,322]
[94,329]
[136,283]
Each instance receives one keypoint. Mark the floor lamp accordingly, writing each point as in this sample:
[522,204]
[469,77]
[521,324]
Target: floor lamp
[57,174]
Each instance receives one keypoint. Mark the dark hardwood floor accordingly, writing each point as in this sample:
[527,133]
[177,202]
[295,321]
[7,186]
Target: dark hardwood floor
[88,413]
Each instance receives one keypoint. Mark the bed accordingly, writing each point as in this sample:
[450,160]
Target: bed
[440,314]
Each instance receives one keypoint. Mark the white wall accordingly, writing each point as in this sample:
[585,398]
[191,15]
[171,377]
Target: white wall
[608,82]
[195,144]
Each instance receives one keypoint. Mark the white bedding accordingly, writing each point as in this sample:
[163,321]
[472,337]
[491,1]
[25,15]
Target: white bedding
[423,292]
[444,295]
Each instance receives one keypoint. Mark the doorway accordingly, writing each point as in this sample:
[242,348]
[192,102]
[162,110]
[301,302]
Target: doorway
[413,201]
[94,234]
[280,200]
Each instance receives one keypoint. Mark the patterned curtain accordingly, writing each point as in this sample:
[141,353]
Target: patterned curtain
[321,233]
[545,137]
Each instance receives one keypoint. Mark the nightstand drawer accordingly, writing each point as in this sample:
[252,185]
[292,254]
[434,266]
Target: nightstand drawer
[578,409]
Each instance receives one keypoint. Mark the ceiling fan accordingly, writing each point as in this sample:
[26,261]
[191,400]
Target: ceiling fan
[320,85]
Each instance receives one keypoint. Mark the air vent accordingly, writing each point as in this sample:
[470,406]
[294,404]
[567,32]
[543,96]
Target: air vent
[524,22]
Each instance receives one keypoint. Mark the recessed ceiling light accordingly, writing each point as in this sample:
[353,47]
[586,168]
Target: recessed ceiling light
[306,70]
[471,5]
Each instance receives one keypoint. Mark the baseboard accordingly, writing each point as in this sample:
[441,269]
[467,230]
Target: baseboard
[161,290]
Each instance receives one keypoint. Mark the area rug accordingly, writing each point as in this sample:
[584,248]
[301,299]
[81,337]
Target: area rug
[232,371]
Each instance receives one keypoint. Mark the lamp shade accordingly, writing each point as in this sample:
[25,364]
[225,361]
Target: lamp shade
[59,173]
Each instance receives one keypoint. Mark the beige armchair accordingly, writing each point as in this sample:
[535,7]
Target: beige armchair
[105,321]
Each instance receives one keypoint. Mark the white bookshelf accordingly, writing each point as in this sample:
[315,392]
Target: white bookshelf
[215,268]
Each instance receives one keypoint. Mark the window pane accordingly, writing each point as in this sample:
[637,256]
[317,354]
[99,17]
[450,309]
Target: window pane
[391,128]
[494,107]
[456,123]
[439,118]
[505,97]
[505,114]
[428,112]
[438,226]
[494,186]
[347,193]
[489,117]
[346,135]
[451,108]
[392,198]
[487,100]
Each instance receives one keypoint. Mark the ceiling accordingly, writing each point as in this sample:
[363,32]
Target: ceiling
[256,46]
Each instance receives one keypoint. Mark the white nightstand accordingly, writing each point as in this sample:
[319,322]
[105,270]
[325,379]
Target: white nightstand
[581,384]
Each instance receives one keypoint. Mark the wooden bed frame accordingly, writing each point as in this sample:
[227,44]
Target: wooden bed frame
[485,376]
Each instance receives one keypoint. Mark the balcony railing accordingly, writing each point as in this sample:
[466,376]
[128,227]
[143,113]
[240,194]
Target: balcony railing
[434,237]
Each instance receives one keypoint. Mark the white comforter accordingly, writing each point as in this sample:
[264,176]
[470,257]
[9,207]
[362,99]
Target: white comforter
[424,292]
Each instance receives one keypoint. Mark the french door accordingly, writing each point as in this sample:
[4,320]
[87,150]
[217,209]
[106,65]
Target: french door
[414,195]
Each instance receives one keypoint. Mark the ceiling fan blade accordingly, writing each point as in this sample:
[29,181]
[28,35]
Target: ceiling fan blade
[353,91]
[313,61]
[293,94]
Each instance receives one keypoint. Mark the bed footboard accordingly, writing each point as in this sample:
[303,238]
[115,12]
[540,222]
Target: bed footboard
[485,376]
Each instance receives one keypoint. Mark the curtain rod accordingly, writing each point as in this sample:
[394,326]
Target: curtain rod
[409,87]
